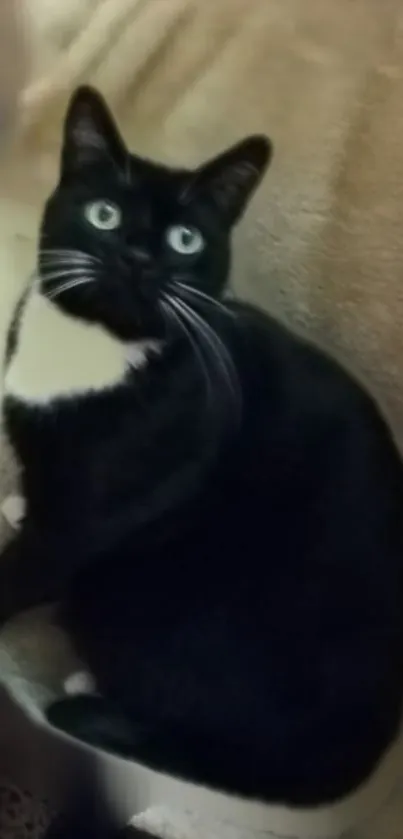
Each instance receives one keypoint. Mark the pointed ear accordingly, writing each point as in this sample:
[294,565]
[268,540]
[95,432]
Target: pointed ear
[231,178]
[90,134]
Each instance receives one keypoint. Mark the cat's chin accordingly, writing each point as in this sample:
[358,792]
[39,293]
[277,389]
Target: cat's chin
[138,352]
[149,331]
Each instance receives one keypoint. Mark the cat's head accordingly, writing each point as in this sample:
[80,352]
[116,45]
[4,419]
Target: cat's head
[121,236]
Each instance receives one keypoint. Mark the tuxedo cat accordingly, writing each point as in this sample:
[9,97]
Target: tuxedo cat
[216,503]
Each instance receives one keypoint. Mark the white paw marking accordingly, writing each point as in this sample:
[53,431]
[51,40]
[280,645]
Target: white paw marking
[13,509]
[136,354]
[79,683]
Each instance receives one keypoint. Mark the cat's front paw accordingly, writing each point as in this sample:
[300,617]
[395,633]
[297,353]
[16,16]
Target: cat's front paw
[13,509]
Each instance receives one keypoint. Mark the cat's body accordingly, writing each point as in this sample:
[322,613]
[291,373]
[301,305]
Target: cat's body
[224,522]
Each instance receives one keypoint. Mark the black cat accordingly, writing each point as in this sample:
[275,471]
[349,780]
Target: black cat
[217,503]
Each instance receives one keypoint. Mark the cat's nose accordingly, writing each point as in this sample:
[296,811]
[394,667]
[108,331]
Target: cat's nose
[141,255]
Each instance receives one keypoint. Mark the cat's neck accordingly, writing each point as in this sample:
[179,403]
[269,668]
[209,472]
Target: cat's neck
[60,356]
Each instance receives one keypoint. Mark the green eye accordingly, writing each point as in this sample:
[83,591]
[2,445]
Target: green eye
[185,240]
[103,214]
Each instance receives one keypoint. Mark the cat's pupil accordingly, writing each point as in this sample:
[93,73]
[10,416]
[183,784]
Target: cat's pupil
[187,237]
[105,212]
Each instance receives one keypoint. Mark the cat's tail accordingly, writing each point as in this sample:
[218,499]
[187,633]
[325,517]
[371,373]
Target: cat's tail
[95,721]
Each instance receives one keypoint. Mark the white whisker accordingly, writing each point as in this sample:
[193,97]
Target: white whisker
[64,260]
[219,349]
[51,276]
[169,305]
[216,349]
[70,285]
[68,252]
[206,298]
[64,255]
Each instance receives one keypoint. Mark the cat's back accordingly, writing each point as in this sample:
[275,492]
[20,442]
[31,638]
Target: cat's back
[297,397]
[291,365]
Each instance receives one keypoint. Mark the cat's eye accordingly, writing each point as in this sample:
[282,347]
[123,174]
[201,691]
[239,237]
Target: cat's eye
[102,214]
[185,240]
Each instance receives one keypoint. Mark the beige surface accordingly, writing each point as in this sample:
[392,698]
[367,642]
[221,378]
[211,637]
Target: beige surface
[322,244]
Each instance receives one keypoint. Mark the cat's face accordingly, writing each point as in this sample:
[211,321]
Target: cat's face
[126,242]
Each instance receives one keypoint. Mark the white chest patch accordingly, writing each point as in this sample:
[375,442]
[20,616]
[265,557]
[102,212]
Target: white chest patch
[61,356]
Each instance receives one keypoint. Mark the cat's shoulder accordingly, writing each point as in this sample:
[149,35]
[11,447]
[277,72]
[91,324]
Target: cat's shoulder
[306,375]
[281,345]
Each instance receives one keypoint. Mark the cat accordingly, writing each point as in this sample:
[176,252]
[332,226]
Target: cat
[216,503]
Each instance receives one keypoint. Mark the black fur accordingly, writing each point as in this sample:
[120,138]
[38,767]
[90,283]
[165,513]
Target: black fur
[228,546]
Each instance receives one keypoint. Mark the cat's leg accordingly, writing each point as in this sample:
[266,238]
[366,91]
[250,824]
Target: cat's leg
[18,591]
[13,509]
[32,571]
[96,721]
[86,715]
[79,683]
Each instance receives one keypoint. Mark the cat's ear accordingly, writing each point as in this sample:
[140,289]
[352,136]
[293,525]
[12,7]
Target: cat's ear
[230,179]
[90,134]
